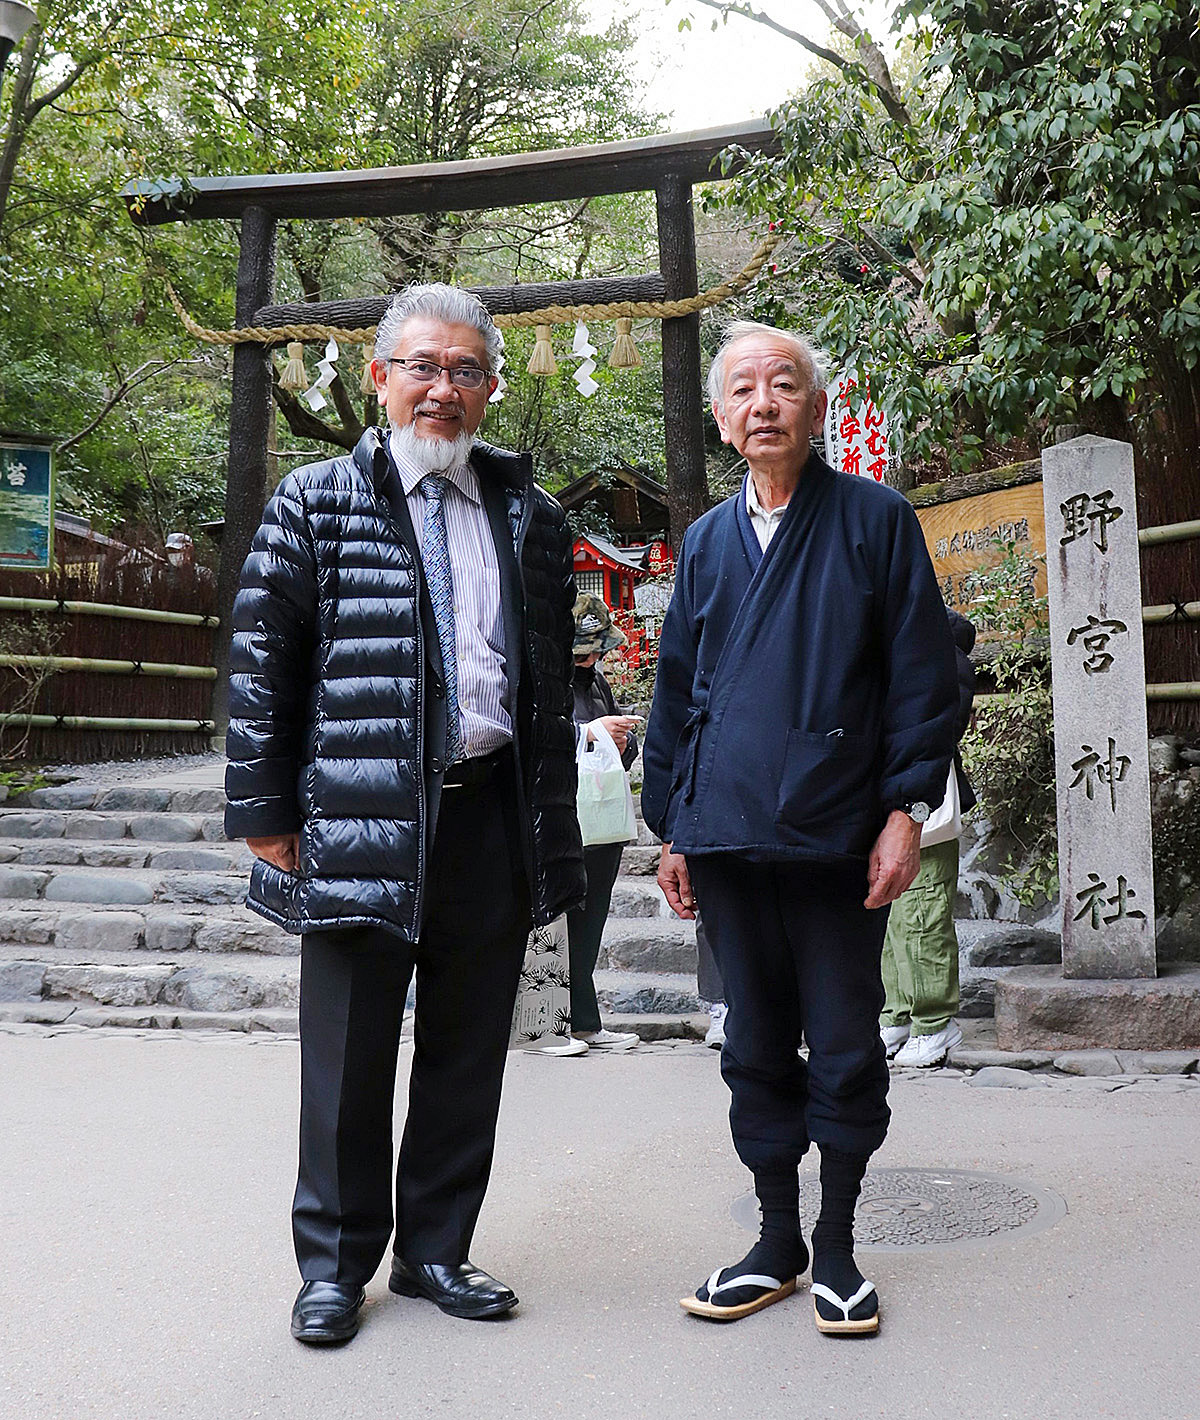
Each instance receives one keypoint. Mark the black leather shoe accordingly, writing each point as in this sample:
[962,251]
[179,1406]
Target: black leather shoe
[326,1313]
[460,1289]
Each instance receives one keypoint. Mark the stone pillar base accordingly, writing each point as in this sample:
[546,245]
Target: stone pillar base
[1038,1009]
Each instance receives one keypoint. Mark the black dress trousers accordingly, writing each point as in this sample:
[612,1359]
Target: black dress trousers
[353,986]
[799,956]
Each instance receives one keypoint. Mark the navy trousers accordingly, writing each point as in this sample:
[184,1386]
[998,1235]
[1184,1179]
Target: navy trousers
[353,986]
[799,955]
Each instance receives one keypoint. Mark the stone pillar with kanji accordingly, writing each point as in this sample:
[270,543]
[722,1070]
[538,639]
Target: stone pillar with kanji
[1100,736]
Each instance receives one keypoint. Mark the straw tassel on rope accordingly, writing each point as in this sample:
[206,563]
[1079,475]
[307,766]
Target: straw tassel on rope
[625,354]
[367,384]
[542,361]
[294,376]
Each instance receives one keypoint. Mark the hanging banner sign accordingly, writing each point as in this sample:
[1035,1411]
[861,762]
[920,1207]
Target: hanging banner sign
[26,505]
[857,436]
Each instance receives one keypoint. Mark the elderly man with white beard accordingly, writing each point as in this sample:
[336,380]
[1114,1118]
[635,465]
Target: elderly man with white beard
[401,763]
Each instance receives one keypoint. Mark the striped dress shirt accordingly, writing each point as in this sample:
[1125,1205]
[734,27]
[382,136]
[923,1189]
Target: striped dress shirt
[478,625]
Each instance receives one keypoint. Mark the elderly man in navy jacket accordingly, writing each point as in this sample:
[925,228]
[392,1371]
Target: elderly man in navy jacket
[802,728]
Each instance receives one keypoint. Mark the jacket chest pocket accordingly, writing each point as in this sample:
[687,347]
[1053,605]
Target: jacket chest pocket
[827,786]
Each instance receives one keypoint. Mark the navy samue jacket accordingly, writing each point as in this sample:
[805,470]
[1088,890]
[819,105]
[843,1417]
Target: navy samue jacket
[805,692]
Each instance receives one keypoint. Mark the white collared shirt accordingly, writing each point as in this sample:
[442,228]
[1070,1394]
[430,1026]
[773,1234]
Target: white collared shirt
[478,624]
[765,521]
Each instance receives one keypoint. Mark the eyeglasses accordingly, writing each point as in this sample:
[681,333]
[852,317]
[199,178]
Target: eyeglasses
[425,372]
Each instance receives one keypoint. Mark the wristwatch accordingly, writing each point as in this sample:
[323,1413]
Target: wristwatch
[918,811]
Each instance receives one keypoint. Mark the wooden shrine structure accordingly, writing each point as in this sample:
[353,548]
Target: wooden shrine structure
[667,164]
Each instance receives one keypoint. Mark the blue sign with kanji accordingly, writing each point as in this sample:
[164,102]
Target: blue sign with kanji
[26,506]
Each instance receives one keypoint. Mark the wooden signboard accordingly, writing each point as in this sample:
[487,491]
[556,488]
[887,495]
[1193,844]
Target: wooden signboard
[961,537]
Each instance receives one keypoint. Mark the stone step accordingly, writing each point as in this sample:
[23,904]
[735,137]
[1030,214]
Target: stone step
[277,1021]
[640,860]
[123,887]
[640,993]
[129,798]
[151,927]
[638,897]
[111,825]
[187,981]
[128,853]
[649,944]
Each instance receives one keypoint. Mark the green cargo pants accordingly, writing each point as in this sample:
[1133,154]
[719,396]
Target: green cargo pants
[920,951]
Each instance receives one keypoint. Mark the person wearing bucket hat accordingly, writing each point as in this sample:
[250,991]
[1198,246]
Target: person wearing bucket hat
[595,635]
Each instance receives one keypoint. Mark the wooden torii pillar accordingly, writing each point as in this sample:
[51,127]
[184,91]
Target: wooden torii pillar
[667,164]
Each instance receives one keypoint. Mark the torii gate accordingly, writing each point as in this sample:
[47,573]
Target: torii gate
[667,164]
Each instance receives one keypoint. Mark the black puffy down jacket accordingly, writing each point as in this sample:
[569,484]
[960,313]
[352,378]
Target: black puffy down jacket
[331,717]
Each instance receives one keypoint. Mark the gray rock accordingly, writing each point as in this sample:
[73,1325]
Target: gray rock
[636,897]
[1097,1083]
[165,828]
[207,888]
[650,944]
[967,1057]
[86,932]
[199,989]
[21,980]
[1158,1062]
[9,852]
[977,897]
[28,926]
[105,1017]
[1003,1077]
[63,796]
[245,933]
[639,861]
[131,798]
[277,1022]
[116,855]
[638,994]
[37,1013]
[22,882]
[212,828]
[998,944]
[204,799]
[189,859]
[32,825]
[1088,1062]
[1164,753]
[171,931]
[54,852]
[1037,1008]
[99,887]
[99,826]
[108,985]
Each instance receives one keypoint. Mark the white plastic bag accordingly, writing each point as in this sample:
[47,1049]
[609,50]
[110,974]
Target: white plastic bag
[604,801]
[945,822]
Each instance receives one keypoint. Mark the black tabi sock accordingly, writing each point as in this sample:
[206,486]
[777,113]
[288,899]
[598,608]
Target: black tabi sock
[833,1236]
[780,1250]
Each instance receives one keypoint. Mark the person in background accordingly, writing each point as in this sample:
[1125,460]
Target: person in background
[595,636]
[920,950]
[710,989]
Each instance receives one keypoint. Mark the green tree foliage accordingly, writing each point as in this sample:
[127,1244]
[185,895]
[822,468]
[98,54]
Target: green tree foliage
[102,92]
[1013,235]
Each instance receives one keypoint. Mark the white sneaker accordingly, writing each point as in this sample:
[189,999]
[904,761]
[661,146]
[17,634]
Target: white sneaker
[714,1036]
[608,1039]
[568,1047]
[925,1050]
[893,1038]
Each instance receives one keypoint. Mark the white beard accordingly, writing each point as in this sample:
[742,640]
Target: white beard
[433,455]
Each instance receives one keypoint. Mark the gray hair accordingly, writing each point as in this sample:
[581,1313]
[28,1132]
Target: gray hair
[444,303]
[810,356]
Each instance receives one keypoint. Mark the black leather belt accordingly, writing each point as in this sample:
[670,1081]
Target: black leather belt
[468,773]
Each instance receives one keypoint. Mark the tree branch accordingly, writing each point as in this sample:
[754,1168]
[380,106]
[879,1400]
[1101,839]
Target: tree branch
[130,382]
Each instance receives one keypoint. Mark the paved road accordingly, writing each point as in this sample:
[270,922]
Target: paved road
[146,1272]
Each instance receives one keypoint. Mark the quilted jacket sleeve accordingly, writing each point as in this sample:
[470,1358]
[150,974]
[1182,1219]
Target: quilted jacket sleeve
[274,618]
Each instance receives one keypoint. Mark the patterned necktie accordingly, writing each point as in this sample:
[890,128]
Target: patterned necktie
[435,555]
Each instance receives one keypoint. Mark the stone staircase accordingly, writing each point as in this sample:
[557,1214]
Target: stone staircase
[121,905]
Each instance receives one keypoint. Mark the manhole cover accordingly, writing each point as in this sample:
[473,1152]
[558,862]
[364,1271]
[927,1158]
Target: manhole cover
[903,1208]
